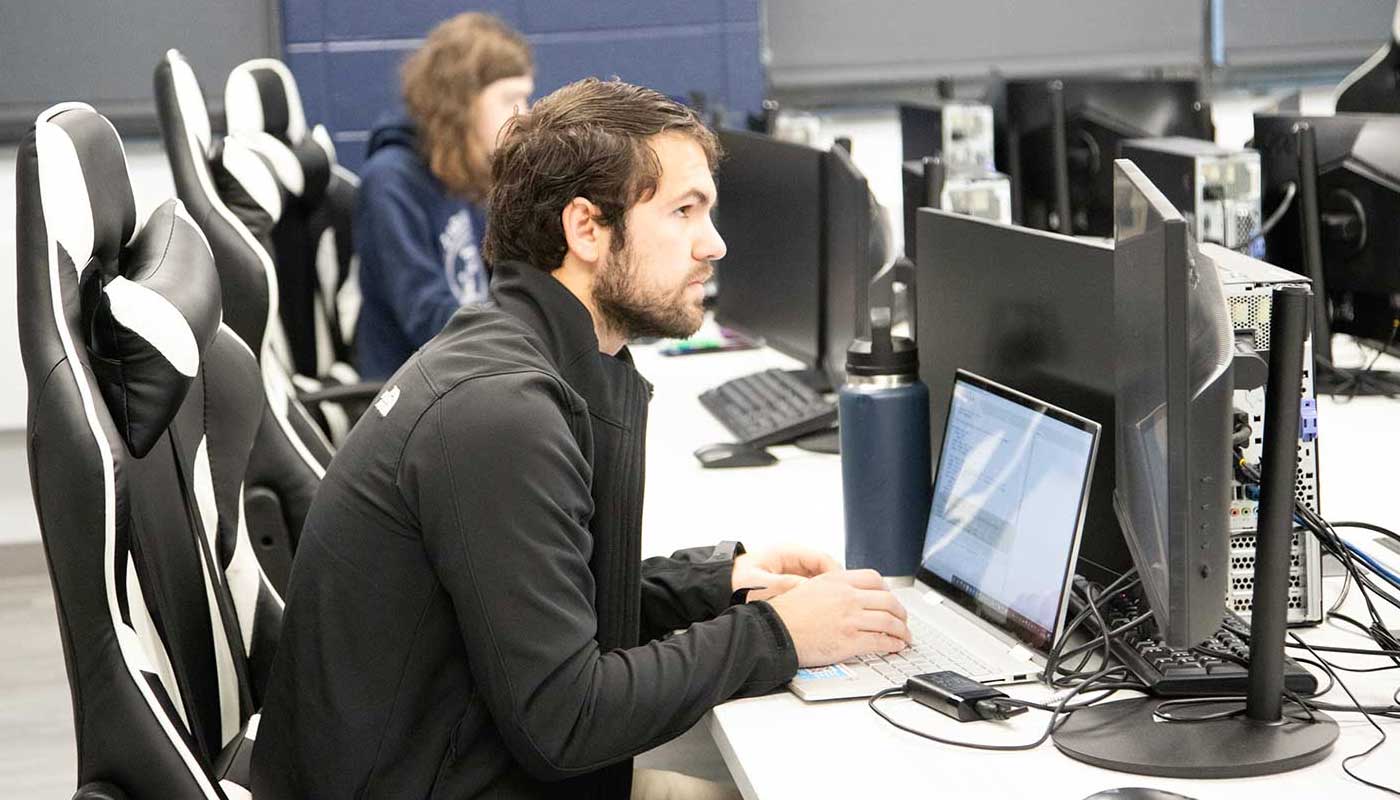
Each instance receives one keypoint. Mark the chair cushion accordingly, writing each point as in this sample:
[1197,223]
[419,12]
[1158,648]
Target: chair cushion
[149,324]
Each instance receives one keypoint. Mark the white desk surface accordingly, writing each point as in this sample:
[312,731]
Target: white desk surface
[779,747]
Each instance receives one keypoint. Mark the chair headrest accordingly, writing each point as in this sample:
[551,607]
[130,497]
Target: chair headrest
[150,323]
[89,207]
[189,100]
[246,181]
[262,95]
[263,108]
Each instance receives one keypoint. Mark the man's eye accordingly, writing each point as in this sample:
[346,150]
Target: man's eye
[684,211]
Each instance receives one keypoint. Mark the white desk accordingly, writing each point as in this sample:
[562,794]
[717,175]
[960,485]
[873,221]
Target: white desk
[780,747]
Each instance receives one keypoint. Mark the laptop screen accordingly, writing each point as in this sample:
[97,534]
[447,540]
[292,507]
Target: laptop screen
[1008,506]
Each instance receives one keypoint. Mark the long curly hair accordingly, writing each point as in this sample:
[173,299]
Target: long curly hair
[441,82]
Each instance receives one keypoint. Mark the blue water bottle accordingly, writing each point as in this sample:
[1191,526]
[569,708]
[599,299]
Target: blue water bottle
[884,447]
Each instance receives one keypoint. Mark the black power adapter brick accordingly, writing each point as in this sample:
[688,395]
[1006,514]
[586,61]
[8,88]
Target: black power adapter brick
[959,697]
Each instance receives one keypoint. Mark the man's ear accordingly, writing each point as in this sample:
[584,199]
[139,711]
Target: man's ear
[586,238]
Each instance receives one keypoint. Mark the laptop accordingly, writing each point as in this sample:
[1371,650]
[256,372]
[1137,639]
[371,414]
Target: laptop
[993,584]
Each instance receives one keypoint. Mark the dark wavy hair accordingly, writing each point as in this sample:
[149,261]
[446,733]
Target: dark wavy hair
[588,139]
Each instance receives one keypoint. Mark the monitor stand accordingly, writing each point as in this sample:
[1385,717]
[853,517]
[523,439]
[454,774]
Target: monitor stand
[1260,740]
[1125,736]
[814,379]
[827,441]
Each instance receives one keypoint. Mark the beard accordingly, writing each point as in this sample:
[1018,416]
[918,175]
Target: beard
[635,312]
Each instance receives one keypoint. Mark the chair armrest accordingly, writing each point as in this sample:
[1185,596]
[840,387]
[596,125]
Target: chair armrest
[346,393]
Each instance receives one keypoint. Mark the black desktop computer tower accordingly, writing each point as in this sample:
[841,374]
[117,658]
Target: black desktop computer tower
[1216,188]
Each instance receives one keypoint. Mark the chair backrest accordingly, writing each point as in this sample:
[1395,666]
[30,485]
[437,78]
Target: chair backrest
[314,242]
[237,202]
[142,412]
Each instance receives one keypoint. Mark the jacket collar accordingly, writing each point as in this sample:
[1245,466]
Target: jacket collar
[565,328]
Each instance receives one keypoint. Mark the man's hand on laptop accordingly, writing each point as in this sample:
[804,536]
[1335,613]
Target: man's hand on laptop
[837,615]
[769,572]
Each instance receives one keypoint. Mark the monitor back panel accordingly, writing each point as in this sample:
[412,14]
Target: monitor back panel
[770,214]
[1031,310]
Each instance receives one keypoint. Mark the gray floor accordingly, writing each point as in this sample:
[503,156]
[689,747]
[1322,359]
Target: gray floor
[37,755]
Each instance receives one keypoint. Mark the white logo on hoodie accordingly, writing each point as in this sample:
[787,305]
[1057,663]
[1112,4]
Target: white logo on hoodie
[461,261]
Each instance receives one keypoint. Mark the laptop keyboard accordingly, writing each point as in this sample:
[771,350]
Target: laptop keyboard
[931,651]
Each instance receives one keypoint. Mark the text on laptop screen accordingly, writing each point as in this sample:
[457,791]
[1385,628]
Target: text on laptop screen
[1006,504]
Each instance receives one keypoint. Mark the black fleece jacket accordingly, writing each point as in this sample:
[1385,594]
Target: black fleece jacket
[467,615]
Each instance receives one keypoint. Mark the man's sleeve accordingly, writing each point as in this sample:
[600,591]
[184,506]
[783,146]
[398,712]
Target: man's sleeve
[400,240]
[502,494]
[691,585]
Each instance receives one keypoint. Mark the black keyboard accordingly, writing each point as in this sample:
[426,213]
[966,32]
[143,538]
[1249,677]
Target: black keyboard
[1169,672]
[769,407]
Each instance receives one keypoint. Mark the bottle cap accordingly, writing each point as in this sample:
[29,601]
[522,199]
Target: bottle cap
[882,353]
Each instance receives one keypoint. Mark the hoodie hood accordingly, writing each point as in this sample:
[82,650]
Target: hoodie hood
[395,129]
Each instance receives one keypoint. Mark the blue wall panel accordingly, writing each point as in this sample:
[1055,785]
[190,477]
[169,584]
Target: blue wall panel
[406,19]
[741,10]
[544,16]
[310,72]
[303,20]
[362,86]
[743,45]
[693,60]
[346,53]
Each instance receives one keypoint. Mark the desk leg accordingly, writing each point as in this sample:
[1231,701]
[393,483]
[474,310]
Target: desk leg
[731,760]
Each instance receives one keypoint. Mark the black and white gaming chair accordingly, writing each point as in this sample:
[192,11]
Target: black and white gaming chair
[290,453]
[235,176]
[143,409]
[313,241]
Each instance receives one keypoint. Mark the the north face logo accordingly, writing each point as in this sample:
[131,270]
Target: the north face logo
[386,401]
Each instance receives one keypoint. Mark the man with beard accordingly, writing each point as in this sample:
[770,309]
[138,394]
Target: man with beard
[468,614]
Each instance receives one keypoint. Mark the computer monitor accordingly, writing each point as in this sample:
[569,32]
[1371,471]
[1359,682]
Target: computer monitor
[1029,309]
[1094,115]
[1174,401]
[922,185]
[1358,198]
[770,214]
[856,248]
[1174,376]
[804,237]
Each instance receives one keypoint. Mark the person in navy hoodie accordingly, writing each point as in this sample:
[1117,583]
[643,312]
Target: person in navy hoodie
[421,210]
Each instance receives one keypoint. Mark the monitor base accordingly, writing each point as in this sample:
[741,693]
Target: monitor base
[1126,737]
[827,441]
